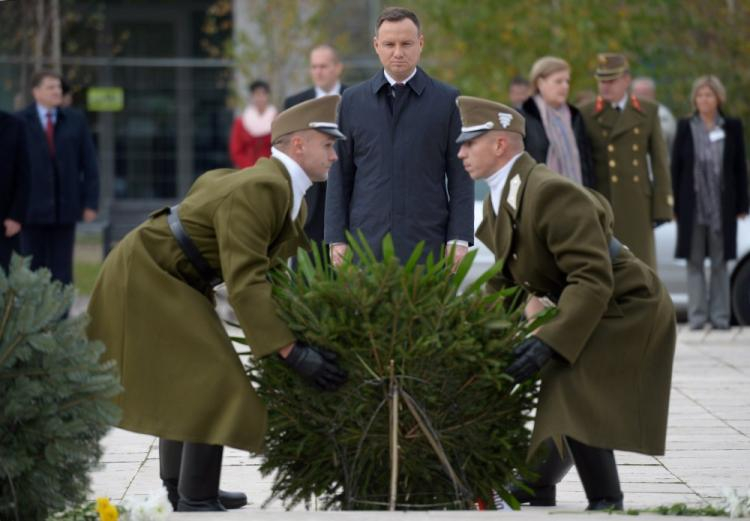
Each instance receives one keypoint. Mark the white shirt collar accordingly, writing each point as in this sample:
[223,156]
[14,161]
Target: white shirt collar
[300,181]
[392,82]
[622,103]
[319,93]
[497,180]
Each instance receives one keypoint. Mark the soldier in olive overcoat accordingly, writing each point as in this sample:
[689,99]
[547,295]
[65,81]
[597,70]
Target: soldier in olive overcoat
[625,136]
[606,356]
[152,306]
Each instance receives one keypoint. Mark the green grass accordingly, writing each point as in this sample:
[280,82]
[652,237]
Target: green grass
[84,276]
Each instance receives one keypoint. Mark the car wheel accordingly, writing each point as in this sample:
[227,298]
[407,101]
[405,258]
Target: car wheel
[741,295]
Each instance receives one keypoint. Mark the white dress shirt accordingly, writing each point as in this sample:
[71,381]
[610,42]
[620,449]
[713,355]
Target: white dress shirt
[621,104]
[42,111]
[497,180]
[392,82]
[319,93]
[300,181]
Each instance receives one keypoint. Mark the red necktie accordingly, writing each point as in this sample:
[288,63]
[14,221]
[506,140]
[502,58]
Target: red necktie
[50,131]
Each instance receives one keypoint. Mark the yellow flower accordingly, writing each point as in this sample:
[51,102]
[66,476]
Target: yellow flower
[101,504]
[109,513]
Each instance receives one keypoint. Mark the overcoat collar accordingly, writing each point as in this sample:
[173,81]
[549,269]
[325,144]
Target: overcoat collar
[496,231]
[619,123]
[417,83]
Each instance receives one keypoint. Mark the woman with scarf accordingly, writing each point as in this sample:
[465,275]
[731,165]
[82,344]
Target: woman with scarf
[251,131]
[555,133]
[709,182]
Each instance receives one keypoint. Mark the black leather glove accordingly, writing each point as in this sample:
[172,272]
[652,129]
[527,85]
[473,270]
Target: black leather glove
[531,355]
[316,365]
[659,222]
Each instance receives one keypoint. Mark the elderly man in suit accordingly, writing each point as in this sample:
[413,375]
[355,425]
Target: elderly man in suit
[325,72]
[398,172]
[64,177]
[626,137]
[606,356]
[13,184]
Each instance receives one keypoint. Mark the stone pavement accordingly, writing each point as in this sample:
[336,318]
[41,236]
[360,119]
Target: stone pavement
[708,448]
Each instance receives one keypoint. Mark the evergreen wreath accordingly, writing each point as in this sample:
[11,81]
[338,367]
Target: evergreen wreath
[427,419]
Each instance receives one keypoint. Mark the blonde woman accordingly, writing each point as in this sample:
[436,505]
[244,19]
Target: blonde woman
[709,182]
[555,132]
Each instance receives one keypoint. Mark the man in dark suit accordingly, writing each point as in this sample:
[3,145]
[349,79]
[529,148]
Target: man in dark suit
[13,184]
[325,72]
[398,172]
[64,177]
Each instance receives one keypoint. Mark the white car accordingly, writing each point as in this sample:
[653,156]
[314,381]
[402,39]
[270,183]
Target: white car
[673,272]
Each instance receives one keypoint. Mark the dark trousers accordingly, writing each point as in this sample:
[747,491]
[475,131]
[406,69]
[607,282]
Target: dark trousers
[7,246]
[51,247]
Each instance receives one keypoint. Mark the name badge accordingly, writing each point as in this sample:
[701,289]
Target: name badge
[716,134]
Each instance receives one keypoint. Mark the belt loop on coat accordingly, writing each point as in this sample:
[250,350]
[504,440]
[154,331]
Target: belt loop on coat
[188,247]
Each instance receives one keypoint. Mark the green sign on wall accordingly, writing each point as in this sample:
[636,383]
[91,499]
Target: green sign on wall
[105,99]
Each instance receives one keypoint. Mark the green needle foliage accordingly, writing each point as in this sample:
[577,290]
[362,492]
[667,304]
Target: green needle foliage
[55,401]
[462,427]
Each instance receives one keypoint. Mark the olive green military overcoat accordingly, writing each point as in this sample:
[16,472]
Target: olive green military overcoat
[622,145]
[182,377]
[615,327]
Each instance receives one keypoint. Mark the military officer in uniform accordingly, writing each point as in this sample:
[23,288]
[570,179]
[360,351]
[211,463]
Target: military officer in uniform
[606,357]
[625,135]
[152,306]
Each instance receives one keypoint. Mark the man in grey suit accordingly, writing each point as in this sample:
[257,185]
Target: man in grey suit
[398,170]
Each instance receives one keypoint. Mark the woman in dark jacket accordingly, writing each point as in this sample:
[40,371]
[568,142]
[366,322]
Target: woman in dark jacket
[555,134]
[709,182]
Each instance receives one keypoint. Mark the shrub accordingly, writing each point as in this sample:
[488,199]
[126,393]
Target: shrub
[56,396]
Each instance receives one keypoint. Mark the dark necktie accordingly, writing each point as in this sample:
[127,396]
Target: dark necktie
[49,130]
[398,90]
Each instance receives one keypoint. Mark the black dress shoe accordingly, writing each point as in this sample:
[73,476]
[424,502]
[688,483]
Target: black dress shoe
[605,504]
[540,497]
[232,500]
[208,505]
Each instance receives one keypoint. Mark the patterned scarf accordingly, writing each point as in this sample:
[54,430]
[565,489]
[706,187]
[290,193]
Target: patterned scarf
[562,155]
[707,173]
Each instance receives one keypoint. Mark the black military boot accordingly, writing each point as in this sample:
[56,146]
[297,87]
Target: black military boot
[170,456]
[199,478]
[598,472]
[550,470]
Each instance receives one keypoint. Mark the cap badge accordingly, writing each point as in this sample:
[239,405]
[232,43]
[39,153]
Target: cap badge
[505,119]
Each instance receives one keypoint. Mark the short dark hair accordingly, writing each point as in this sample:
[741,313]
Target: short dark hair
[259,84]
[519,80]
[65,86]
[39,77]
[396,14]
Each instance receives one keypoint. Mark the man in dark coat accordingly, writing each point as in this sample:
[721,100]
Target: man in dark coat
[606,356]
[13,184]
[325,72]
[64,177]
[398,172]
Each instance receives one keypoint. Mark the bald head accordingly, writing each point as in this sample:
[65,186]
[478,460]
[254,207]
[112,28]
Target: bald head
[644,88]
[325,67]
